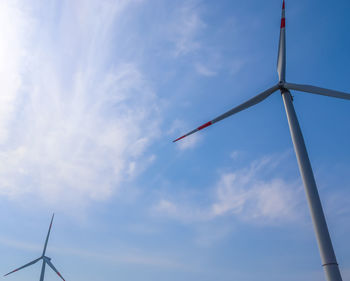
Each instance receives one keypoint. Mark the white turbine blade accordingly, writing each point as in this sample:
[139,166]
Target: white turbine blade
[48,234]
[28,264]
[281,60]
[253,101]
[317,90]
[54,269]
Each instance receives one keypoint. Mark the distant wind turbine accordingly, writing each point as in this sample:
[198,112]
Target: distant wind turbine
[46,260]
[328,258]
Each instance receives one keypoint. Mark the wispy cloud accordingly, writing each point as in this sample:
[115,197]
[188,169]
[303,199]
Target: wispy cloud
[186,27]
[182,212]
[26,246]
[235,154]
[12,52]
[81,123]
[204,70]
[236,66]
[189,142]
[179,128]
[251,199]
[245,194]
[131,256]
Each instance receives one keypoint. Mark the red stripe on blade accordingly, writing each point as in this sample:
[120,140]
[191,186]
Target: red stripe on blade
[283,23]
[283,5]
[204,125]
[179,139]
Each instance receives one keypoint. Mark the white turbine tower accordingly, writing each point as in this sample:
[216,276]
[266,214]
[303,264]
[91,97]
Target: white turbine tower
[46,260]
[328,258]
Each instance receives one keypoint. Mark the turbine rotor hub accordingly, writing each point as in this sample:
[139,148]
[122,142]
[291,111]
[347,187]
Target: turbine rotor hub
[281,85]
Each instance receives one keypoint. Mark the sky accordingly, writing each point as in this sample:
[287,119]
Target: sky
[92,95]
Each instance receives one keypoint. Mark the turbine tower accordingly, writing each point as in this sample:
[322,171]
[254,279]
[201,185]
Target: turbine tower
[328,258]
[46,260]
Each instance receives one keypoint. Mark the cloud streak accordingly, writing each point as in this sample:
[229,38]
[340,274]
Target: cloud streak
[129,257]
[12,52]
[247,194]
[83,119]
[186,27]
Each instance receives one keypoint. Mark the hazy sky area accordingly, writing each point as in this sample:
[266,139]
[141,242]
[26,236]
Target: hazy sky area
[94,91]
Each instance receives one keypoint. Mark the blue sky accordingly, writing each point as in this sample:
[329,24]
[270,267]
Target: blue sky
[93,93]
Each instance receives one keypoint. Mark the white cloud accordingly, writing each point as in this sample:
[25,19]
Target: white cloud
[129,256]
[178,128]
[236,66]
[207,234]
[189,142]
[235,154]
[248,196]
[166,206]
[12,52]
[185,28]
[245,194]
[185,213]
[204,70]
[251,199]
[81,124]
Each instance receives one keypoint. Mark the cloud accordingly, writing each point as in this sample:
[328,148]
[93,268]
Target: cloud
[236,66]
[78,120]
[204,70]
[247,194]
[12,51]
[235,154]
[185,29]
[178,128]
[129,256]
[167,207]
[250,195]
[182,212]
[26,246]
[189,142]
[252,199]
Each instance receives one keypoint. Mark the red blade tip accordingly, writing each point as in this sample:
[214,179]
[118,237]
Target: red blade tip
[179,139]
[198,129]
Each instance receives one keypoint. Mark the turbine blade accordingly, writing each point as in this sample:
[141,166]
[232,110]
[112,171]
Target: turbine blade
[253,101]
[48,234]
[281,60]
[54,269]
[42,274]
[317,90]
[28,264]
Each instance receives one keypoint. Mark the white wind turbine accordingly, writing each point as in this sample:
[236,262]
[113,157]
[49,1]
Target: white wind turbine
[46,260]
[328,258]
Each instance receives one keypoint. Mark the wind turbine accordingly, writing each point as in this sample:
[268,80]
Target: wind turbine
[328,258]
[46,260]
